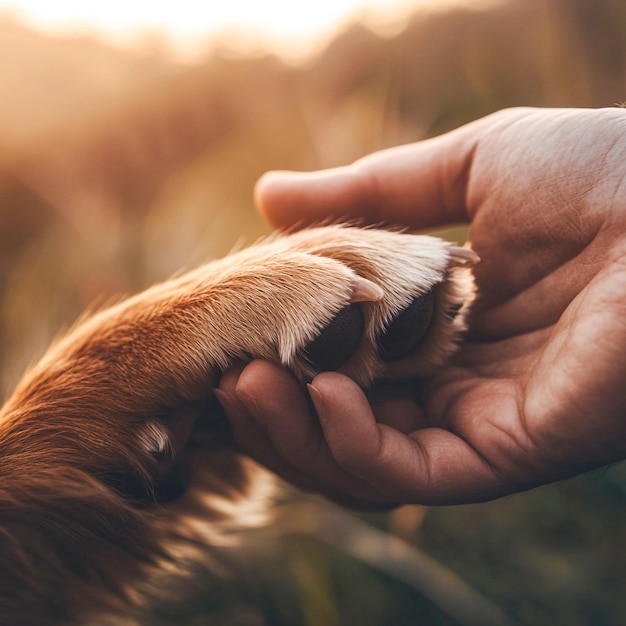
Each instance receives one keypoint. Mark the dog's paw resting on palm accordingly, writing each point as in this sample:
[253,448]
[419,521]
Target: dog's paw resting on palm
[113,462]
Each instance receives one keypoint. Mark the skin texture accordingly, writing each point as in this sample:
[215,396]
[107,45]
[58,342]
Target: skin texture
[536,393]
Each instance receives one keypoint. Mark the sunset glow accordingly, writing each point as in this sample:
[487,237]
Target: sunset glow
[186,23]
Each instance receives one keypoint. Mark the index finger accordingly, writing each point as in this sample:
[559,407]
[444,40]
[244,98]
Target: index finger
[419,185]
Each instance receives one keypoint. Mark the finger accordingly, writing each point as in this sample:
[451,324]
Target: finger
[252,436]
[420,185]
[277,401]
[253,439]
[430,466]
[397,406]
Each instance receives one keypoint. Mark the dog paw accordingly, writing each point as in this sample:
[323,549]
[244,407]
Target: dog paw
[112,447]
[407,314]
[369,303]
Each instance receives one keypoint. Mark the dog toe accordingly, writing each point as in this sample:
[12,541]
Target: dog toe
[337,341]
[408,329]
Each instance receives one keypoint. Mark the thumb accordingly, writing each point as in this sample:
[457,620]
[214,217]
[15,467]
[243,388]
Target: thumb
[419,185]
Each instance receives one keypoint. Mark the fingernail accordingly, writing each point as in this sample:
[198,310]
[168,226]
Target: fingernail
[364,290]
[224,398]
[236,406]
[316,397]
[249,404]
[229,400]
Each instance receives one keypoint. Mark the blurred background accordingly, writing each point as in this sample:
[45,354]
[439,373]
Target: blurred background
[131,135]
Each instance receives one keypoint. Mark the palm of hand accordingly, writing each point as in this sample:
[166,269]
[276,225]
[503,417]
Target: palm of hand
[536,388]
[535,392]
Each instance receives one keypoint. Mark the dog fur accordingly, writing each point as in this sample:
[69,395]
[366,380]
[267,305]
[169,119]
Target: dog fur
[96,437]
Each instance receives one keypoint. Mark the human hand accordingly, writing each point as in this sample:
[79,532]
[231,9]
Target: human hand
[536,392]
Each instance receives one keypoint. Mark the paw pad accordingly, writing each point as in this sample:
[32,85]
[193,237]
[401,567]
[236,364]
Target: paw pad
[408,329]
[337,341]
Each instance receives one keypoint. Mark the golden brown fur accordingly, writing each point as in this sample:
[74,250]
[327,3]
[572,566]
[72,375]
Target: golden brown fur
[97,439]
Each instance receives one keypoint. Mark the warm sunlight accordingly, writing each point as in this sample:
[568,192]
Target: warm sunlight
[290,25]
[133,134]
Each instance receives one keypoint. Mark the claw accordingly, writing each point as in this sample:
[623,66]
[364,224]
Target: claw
[462,256]
[364,290]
